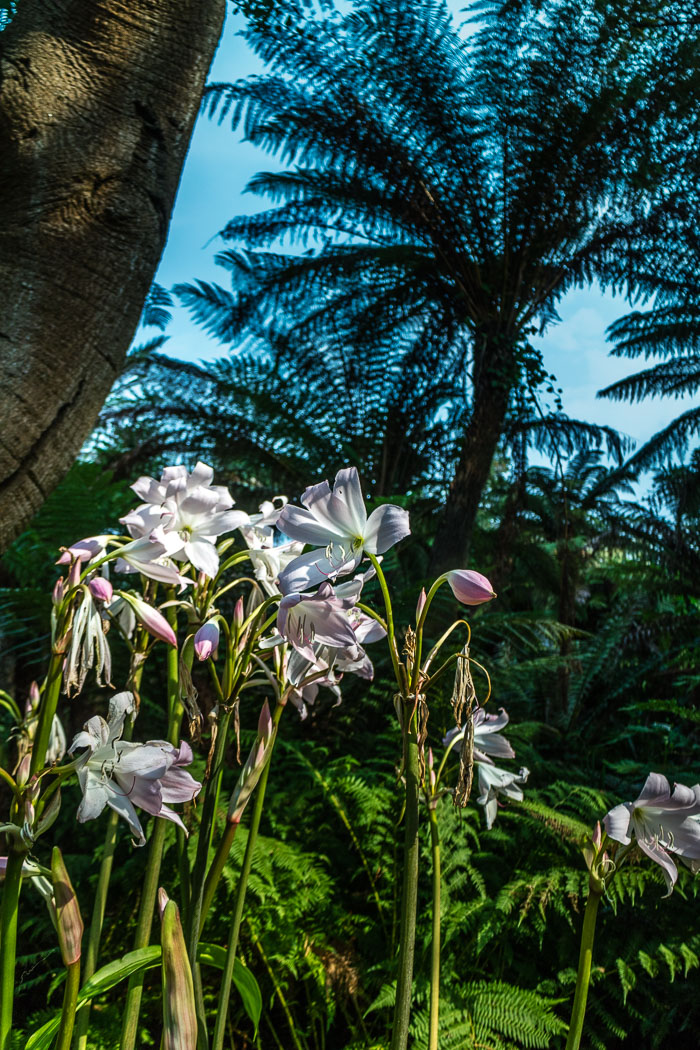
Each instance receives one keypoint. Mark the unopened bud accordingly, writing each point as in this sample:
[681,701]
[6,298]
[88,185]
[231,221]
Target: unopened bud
[154,622]
[421,604]
[252,770]
[74,574]
[206,640]
[179,1013]
[469,587]
[597,835]
[238,614]
[22,775]
[69,923]
[58,591]
[101,588]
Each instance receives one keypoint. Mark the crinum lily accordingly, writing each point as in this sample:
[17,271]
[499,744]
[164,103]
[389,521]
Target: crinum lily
[337,520]
[188,507]
[122,775]
[663,822]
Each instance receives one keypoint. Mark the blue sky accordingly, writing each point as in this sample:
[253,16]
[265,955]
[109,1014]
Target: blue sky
[217,169]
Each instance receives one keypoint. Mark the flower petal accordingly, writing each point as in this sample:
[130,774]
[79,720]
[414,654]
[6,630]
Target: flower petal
[386,526]
[618,823]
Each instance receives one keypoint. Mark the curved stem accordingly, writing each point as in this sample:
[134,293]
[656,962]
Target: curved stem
[225,988]
[8,941]
[435,947]
[583,978]
[409,892]
[70,999]
[391,634]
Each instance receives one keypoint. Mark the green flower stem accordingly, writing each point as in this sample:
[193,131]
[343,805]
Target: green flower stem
[8,940]
[49,703]
[584,971]
[409,891]
[435,947]
[390,631]
[70,998]
[225,988]
[155,856]
[216,870]
[206,830]
[98,914]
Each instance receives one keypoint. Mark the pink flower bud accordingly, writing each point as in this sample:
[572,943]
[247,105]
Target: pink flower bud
[265,722]
[101,588]
[238,613]
[74,574]
[23,769]
[597,835]
[206,640]
[58,591]
[469,587]
[179,1011]
[421,603]
[69,923]
[154,622]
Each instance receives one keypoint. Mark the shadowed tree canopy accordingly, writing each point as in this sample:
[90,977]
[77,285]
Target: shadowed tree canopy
[97,104]
[460,182]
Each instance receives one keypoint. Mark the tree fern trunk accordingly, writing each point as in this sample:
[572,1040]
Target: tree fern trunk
[492,384]
[97,105]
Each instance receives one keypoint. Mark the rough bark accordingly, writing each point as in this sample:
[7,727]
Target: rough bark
[97,103]
[493,382]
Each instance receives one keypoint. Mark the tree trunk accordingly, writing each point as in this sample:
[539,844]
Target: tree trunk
[491,396]
[97,103]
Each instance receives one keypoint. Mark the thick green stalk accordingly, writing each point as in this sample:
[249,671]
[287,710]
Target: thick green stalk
[155,856]
[584,971]
[8,941]
[70,998]
[216,870]
[47,710]
[225,988]
[98,914]
[435,947]
[409,891]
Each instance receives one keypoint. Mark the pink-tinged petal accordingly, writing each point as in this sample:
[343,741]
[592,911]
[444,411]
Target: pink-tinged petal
[659,855]
[311,569]
[469,587]
[154,622]
[140,792]
[95,798]
[83,550]
[179,786]
[386,526]
[618,823]
[656,789]
[204,556]
[450,736]
[149,761]
[148,489]
[302,525]
[368,630]
[420,604]
[101,588]
[206,640]
[165,813]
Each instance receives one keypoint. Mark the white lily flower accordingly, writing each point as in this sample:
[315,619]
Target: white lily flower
[270,562]
[122,775]
[486,743]
[189,509]
[88,647]
[151,555]
[494,782]
[259,532]
[338,521]
[663,822]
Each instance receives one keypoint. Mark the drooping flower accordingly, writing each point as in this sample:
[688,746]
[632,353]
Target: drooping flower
[101,588]
[122,775]
[322,617]
[469,587]
[662,822]
[84,550]
[57,744]
[486,742]
[338,521]
[88,648]
[186,506]
[494,782]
